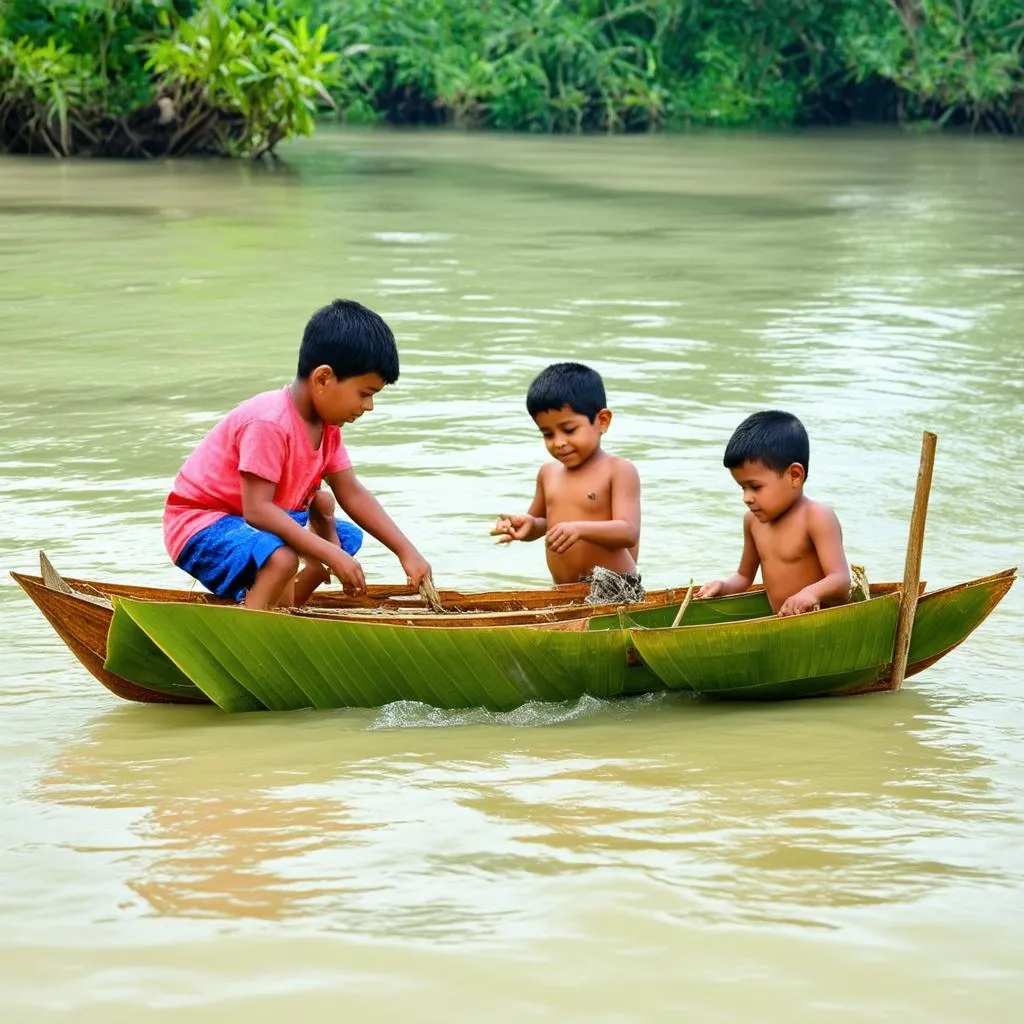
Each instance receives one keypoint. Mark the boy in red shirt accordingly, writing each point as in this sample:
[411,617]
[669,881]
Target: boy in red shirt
[247,505]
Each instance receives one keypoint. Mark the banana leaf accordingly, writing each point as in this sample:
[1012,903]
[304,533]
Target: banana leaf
[946,617]
[132,654]
[735,608]
[244,660]
[832,651]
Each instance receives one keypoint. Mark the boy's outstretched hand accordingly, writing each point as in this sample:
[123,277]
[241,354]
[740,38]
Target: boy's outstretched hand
[711,589]
[417,568]
[510,528]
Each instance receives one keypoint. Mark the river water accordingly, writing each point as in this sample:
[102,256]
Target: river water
[860,858]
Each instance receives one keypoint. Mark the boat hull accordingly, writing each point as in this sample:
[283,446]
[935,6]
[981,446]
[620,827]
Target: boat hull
[200,651]
[832,652]
[81,610]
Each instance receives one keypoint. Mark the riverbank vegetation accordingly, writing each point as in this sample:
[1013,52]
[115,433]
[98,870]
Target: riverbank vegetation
[158,78]
[171,77]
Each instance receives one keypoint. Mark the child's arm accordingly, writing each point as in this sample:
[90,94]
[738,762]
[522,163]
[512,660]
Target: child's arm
[743,577]
[260,512]
[529,527]
[366,511]
[621,531]
[834,588]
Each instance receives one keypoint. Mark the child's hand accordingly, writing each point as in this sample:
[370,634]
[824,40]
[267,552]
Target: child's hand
[510,528]
[711,589]
[349,572]
[799,603]
[563,536]
[416,567]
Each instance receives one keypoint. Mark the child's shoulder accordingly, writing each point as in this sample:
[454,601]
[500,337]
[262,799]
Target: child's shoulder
[266,407]
[815,509]
[267,404]
[621,469]
[820,517]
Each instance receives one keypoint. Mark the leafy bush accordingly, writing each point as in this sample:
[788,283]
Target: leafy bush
[239,83]
[157,77]
[538,65]
[148,77]
[960,61]
[569,65]
[46,93]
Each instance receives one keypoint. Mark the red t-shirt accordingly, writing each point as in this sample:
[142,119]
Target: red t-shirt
[265,436]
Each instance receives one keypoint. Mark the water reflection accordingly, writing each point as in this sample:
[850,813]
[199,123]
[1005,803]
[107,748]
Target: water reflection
[352,821]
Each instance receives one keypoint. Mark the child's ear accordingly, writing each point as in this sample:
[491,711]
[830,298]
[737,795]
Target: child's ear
[796,474]
[603,420]
[321,376]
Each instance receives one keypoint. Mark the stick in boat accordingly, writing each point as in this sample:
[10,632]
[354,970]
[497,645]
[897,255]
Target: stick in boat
[683,606]
[430,595]
[912,568]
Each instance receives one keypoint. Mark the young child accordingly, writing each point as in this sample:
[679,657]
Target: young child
[247,505]
[587,503]
[796,541]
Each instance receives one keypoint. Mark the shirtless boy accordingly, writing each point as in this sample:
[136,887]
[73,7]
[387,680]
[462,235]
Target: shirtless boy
[797,542]
[587,503]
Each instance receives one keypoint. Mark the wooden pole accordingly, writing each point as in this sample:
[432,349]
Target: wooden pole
[912,567]
[683,606]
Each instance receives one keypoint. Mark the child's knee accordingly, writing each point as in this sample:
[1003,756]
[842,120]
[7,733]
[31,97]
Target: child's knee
[282,561]
[322,505]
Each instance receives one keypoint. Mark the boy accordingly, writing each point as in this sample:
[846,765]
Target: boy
[237,515]
[587,503]
[797,542]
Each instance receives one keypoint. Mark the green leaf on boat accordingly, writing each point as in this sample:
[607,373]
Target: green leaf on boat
[241,658]
[132,655]
[244,660]
[824,652]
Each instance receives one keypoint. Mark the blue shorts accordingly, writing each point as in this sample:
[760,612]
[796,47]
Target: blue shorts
[226,556]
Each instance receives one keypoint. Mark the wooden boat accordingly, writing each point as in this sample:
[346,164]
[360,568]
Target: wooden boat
[80,611]
[153,645]
[500,650]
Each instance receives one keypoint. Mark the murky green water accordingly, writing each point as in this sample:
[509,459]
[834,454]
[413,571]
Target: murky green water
[857,859]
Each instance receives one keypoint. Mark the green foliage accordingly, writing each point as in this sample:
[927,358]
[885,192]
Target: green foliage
[545,65]
[242,81]
[46,89]
[157,77]
[960,61]
[761,62]
[147,77]
[539,65]
[105,32]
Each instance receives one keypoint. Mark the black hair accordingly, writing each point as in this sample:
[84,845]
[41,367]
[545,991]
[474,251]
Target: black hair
[776,439]
[571,384]
[351,340]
